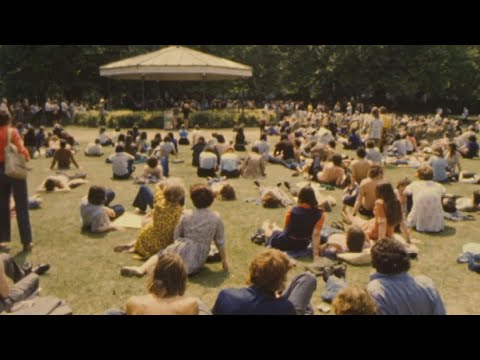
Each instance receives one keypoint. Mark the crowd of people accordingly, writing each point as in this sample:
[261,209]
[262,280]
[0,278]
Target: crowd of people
[176,243]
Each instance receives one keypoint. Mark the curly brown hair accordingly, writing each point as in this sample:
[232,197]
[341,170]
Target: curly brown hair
[202,196]
[268,271]
[354,300]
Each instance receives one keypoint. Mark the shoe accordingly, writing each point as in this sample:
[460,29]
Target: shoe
[27,268]
[340,271]
[257,183]
[41,269]
[27,247]
[130,272]
[287,185]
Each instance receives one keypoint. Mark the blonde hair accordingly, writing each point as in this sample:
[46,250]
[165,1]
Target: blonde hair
[354,300]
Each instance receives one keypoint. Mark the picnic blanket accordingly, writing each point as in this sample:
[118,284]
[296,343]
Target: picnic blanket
[129,220]
[48,305]
[458,216]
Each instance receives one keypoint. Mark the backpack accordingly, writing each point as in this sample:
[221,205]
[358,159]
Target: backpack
[15,163]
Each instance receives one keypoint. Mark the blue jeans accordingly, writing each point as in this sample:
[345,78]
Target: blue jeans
[20,194]
[332,288]
[165,166]
[119,209]
[300,293]
[144,198]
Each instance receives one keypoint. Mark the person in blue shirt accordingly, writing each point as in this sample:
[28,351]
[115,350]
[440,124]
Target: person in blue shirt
[354,141]
[183,133]
[394,290]
[266,294]
[470,150]
[439,165]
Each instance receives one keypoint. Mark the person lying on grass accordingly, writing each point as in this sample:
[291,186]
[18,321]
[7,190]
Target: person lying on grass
[62,183]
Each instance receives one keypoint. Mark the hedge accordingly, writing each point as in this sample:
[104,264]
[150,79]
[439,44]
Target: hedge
[155,119]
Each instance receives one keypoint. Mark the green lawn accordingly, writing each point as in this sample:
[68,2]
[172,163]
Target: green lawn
[86,272]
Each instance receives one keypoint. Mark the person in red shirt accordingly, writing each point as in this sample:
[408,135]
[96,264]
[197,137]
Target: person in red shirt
[9,185]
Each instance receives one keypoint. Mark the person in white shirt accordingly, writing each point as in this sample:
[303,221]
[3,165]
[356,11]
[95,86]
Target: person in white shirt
[398,147]
[263,147]
[230,164]
[427,214]
[122,164]
[373,153]
[207,163]
[94,149]
[163,152]
[104,138]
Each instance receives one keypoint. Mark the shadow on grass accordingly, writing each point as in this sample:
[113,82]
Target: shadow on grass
[91,235]
[447,232]
[208,278]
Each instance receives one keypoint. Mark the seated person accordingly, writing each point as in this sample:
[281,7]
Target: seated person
[303,225]
[230,164]
[373,153]
[360,167]
[207,163]
[183,133]
[25,282]
[470,150]
[267,294]
[142,143]
[194,235]
[427,213]
[354,141]
[96,213]
[365,200]
[167,204]
[439,165]
[122,164]
[387,216]
[64,157]
[394,290]
[240,141]
[399,147]
[152,172]
[333,172]
[354,241]
[197,149]
[254,165]
[166,286]
[94,149]
[453,161]
[104,138]
[354,300]
[61,183]
[53,145]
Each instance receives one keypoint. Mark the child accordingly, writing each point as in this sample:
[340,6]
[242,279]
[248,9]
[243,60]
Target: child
[96,215]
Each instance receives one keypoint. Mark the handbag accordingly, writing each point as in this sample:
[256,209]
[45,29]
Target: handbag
[15,163]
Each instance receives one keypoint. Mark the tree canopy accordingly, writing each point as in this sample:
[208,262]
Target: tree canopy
[405,76]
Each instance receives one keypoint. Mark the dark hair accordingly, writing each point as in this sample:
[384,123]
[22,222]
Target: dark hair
[307,196]
[393,208]
[228,193]
[361,153]
[355,239]
[472,138]
[63,144]
[4,118]
[403,183]
[390,257]
[255,149]
[375,171]
[370,145]
[332,144]
[337,160]
[97,141]
[97,195]
[263,137]
[170,274]
[50,185]
[143,136]
[102,130]
[119,149]
[476,198]
[152,162]
[121,138]
[220,139]
[202,196]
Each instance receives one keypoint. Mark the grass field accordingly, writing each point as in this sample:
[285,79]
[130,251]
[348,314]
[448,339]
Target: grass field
[86,272]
